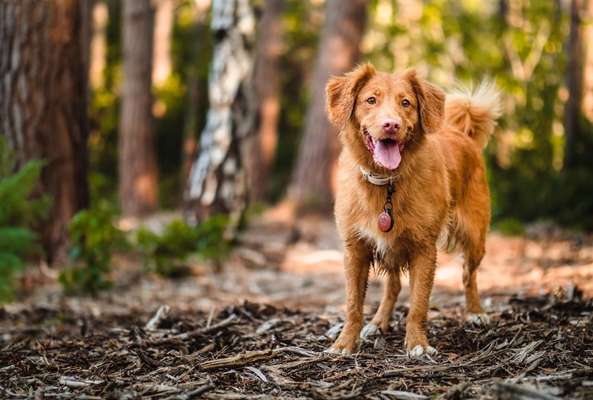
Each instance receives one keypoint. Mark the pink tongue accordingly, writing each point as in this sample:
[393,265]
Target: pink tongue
[387,154]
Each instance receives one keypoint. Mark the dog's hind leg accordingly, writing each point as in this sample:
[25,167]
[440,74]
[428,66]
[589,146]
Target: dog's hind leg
[473,218]
[473,253]
[380,322]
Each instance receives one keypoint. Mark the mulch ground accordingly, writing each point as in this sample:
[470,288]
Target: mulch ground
[535,348]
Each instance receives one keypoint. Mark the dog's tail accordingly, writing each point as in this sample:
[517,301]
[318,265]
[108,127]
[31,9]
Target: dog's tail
[474,112]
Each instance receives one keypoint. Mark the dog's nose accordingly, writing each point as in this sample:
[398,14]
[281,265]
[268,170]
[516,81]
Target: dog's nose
[391,126]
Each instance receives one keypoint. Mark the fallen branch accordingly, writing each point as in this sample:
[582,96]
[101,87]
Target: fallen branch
[197,332]
[510,391]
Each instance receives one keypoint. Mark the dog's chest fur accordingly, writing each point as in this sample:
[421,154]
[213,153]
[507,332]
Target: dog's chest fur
[388,248]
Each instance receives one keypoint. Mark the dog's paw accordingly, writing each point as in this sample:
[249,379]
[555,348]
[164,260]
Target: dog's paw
[340,351]
[346,344]
[419,351]
[481,319]
[369,330]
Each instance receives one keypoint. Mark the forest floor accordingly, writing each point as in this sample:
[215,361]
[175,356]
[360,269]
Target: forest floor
[257,328]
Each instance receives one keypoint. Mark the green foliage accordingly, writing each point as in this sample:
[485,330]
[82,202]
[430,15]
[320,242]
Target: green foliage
[93,240]
[17,212]
[166,254]
[510,227]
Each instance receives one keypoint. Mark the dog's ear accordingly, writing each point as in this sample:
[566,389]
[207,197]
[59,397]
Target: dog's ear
[431,102]
[341,93]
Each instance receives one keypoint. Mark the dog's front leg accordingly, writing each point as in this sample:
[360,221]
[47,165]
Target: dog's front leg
[422,269]
[357,261]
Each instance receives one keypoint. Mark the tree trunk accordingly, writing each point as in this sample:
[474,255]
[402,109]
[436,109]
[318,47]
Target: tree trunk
[138,187]
[98,46]
[574,82]
[261,147]
[86,23]
[217,182]
[43,104]
[587,104]
[312,180]
[163,29]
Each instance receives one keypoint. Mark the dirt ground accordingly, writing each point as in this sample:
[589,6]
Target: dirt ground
[257,328]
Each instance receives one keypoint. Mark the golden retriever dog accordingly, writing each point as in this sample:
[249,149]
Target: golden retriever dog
[410,175]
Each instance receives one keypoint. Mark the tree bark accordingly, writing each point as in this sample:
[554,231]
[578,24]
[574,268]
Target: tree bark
[43,104]
[217,182]
[86,33]
[574,82]
[138,180]
[587,35]
[312,181]
[261,147]
[163,29]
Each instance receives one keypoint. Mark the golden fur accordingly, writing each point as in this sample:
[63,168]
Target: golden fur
[440,186]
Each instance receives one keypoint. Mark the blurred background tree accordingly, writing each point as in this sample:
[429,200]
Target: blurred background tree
[138,174]
[339,50]
[217,181]
[43,105]
[148,71]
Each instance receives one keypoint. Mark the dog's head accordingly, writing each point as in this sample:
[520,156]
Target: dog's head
[382,114]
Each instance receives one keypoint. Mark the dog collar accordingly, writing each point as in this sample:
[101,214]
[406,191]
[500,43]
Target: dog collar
[385,219]
[377,180]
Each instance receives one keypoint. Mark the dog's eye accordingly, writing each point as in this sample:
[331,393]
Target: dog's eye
[372,100]
[406,103]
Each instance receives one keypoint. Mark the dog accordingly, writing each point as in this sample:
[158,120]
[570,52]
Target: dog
[410,176]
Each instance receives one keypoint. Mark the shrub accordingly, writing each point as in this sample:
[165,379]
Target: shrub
[93,240]
[510,227]
[167,254]
[17,212]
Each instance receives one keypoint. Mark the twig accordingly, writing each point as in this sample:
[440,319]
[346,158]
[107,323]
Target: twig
[160,314]
[238,360]
[197,332]
[251,356]
[401,395]
[77,383]
[194,394]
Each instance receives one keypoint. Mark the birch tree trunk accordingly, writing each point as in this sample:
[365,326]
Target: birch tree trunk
[261,147]
[163,29]
[138,187]
[217,181]
[312,181]
[43,104]
[573,83]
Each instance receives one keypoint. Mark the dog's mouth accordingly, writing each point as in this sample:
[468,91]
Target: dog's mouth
[386,152]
